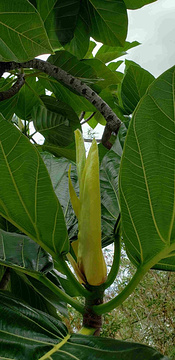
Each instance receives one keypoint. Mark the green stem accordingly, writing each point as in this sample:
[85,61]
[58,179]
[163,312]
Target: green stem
[62,295]
[60,265]
[115,265]
[119,299]
[141,271]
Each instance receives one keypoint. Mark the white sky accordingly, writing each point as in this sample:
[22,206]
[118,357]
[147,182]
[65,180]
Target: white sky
[154,27]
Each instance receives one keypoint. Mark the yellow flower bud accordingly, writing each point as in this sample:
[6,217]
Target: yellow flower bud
[87,208]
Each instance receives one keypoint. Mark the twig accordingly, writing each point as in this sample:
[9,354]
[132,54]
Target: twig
[89,118]
[90,140]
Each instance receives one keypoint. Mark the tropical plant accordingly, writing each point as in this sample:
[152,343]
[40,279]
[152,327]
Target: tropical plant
[51,216]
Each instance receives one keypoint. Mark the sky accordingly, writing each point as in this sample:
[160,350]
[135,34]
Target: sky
[154,26]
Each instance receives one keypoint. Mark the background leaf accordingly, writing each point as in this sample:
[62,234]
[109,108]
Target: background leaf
[134,85]
[21,25]
[59,19]
[34,334]
[55,121]
[108,21]
[27,197]
[147,191]
[109,53]
[28,97]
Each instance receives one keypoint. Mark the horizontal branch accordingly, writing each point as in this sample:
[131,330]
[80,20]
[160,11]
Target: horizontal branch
[84,90]
[4,95]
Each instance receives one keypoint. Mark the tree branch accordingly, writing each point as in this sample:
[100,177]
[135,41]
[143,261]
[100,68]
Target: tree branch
[84,90]
[4,95]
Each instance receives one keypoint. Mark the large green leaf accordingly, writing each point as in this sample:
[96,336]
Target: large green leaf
[134,85]
[147,191]
[108,21]
[23,35]
[135,4]
[27,198]
[109,53]
[35,294]
[60,19]
[28,97]
[35,335]
[56,121]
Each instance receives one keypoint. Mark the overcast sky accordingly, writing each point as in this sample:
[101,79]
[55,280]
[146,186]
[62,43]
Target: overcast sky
[154,27]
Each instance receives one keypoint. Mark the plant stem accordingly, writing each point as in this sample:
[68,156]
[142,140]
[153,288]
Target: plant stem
[119,299]
[75,283]
[141,271]
[62,295]
[115,265]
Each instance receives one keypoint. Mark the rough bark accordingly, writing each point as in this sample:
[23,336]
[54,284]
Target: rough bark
[4,95]
[113,122]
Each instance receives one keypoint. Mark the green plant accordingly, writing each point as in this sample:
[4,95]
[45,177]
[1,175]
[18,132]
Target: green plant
[38,225]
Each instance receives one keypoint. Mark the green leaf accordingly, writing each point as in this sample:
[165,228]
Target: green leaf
[60,19]
[56,121]
[109,53]
[72,65]
[7,107]
[114,65]
[36,335]
[20,252]
[89,54]
[79,44]
[28,97]
[78,103]
[147,192]
[58,170]
[35,294]
[27,198]
[23,35]
[105,75]
[58,151]
[108,21]
[134,85]
[135,4]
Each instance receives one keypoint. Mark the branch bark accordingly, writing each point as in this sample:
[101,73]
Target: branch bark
[4,95]
[113,122]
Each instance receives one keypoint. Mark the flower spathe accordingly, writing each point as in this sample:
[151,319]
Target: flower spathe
[87,208]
